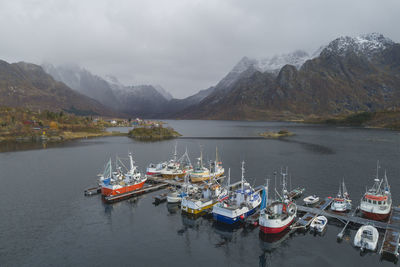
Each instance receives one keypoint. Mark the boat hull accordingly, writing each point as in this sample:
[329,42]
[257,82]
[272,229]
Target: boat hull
[199,179]
[275,230]
[172,176]
[375,216]
[198,210]
[232,220]
[105,191]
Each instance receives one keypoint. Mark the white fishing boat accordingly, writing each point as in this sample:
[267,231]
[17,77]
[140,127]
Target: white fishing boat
[278,215]
[376,203]
[318,224]
[341,202]
[177,168]
[200,173]
[156,169]
[204,199]
[311,200]
[176,195]
[238,205]
[366,238]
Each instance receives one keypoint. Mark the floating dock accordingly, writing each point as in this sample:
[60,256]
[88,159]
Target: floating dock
[146,189]
[390,244]
[311,213]
[92,191]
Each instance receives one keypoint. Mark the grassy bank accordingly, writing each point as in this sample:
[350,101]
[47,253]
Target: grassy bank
[379,119]
[281,133]
[18,124]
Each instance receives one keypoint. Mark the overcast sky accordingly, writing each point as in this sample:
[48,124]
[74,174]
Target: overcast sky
[182,45]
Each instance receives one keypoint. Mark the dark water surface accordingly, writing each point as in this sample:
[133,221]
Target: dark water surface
[47,221]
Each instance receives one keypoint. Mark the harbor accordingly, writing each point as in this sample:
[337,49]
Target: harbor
[80,226]
[240,203]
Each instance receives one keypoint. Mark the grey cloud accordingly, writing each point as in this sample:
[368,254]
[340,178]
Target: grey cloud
[184,46]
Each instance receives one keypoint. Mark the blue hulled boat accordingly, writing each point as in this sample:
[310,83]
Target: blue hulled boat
[238,205]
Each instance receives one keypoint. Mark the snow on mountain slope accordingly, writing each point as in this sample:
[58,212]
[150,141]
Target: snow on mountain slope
[366,44]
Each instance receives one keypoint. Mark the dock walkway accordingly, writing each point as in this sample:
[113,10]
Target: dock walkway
[390,244]
[311,213]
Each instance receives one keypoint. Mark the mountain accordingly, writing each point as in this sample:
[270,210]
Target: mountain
[140,100]
[350,74]
[163,92]
[84,82]
[28,85]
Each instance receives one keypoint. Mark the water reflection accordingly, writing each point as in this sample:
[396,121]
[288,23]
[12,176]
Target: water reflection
[270,242]
[173,208]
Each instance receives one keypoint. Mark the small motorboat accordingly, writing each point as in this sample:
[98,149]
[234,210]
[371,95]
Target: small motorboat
[319,224]
[310,200]
[366,238]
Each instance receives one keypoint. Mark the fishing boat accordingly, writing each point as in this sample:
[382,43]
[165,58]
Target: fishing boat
[200,173]
[216,167]
[118,182]
[341,202]
[311,200]
[296,193]
[238,205]
[366,238]
[318,224]
[155,169]
[204,199]
[278,215]
[177,168]
[376,203]
[176,195]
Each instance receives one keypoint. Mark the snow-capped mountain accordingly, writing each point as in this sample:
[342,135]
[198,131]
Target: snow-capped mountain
[272,64]
[163,92]
[366,44]
[350,74]
[83,81]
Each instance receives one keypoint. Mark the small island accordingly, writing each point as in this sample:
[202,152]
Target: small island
[154,132]
[281,133]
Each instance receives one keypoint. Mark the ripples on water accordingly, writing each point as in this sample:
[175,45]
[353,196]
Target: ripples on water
[46,220]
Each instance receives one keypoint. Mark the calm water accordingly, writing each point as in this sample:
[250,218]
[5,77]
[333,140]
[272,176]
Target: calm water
[46,220]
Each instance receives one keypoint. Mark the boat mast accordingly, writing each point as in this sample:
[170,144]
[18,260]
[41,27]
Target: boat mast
[345,193]
[229,178]
[284,183]
[242,175]
[175,153]
[201,157]
[131,160]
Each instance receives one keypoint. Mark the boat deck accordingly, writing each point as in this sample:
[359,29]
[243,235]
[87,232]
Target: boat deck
[390,245]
